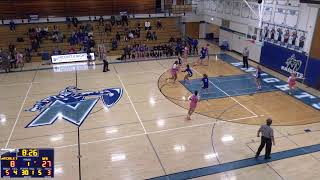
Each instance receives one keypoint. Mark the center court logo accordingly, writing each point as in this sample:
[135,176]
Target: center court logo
[72,105]
[293,66]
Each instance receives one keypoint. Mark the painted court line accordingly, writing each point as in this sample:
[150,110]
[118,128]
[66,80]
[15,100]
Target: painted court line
[154,132]
[215,169]
[229,95]
[134,108]
[18,116]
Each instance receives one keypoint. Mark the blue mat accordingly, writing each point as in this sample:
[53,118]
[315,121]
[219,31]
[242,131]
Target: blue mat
[221,87]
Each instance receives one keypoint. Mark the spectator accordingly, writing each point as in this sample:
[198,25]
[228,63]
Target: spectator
[114,44]
[159,24]
[71,50]
[75,21]
[149,35]
[171,40]
[56,51]
[125,20]
[38,30]
[139,25]
[105,63]
[12,26]
[118,20]
[107,28]
[137,33]
[4,61]
[101,21]
[113,20]
[195,46]
[118,36]
[154,36]
[27,54]
[147,25]
[11,50]
[130,35]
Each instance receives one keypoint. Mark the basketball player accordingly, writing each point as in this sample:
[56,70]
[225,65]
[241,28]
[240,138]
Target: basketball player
[189,74]
[292,82]
[186,54]
[193,104]
[258,78]
[205,83]
[174,71]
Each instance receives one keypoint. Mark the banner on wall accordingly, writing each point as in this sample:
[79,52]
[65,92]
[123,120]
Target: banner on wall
[287,61]
[283,60]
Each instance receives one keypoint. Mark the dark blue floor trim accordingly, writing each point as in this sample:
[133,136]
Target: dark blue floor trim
[210,170]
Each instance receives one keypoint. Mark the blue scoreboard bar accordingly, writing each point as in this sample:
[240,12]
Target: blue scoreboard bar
[28,163]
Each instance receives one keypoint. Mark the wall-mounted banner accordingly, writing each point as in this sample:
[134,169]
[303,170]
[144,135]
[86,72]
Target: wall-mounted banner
[283,60]
[71,58]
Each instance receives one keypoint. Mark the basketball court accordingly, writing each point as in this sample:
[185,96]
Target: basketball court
[145,134]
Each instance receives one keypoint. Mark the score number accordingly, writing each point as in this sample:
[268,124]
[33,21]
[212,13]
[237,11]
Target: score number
[28,153]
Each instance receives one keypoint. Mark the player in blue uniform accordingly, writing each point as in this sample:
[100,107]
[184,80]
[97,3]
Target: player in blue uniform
[189,73]
[205,83]
[203,54]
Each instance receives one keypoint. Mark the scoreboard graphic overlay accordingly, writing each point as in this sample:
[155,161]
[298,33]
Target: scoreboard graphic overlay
[28,162]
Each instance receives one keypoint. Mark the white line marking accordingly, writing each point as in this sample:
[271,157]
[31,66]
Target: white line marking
[102,140]
[229,96]
[21,108]
[134,108]
[155,132]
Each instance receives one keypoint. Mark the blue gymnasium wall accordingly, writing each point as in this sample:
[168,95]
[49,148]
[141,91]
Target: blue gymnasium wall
[275,57]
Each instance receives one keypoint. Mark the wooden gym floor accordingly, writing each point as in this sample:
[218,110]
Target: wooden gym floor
[145,134]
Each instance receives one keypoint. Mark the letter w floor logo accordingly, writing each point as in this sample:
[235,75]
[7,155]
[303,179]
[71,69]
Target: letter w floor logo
[74,114]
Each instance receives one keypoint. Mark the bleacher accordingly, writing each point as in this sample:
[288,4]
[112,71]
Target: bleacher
[170,29]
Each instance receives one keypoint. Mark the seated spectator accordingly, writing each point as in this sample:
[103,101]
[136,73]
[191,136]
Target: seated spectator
[27,52]
[113,20]
[130,35]
[139,25]
[55,29]
[118,20]
[38,29]
[159,24]
[56,51]
[101,21]
[171,40]
[114,44]
[107,28]
[12,26]
[71,50]
[147,25]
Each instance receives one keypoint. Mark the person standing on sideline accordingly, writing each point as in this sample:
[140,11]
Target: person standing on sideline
[267,139]
[245,55]
[105,63]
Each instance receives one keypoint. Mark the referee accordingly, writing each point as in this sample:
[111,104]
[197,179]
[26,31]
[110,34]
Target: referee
[266,139]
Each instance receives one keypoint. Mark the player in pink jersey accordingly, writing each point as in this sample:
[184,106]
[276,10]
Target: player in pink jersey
[174,71]
[193,104]
[185,55]
[292,82]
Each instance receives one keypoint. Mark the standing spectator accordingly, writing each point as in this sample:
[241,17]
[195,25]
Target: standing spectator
[147,25]
[148,35]
[101,21]
[125,20]
[114,44]
[118,36]
[119,20]
[11,50]
[154,36]
[245,56]
[12,26]
[27,54]
[159,24]
[113,20]
[195,46]
[105,63]
[267,139]
[138,25]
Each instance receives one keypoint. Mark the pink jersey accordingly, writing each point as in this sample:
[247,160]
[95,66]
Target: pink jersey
[291,81]
[19,58]
[193,101]
[174,69]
